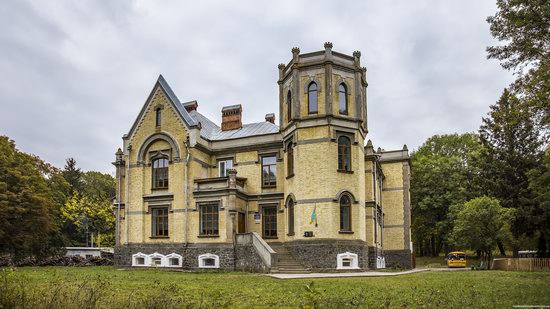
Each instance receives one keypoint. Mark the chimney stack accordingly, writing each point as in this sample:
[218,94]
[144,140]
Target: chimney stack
[232,117]
[191,106]
[270,117]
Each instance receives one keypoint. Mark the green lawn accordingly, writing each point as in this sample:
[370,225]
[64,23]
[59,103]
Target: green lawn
[107,287]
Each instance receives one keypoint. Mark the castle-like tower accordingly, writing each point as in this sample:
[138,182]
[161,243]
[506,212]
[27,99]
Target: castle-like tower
[306,194]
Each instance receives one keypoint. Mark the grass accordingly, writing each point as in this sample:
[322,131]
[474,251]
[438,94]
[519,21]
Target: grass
[107,287]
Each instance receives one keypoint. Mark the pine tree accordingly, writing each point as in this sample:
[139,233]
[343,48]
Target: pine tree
[512,147]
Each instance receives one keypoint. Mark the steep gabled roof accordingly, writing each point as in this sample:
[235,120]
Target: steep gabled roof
[174,101]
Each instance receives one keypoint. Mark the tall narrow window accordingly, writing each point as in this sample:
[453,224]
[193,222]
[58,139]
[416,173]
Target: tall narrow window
[159,222]
[158,111]
[270,222]
[290,210]
[160,173]
[344,154]
[343,98]
[345,214]
[225,165]
[289,106]
[269,171]
[312,98]
[290,159]
[209,215]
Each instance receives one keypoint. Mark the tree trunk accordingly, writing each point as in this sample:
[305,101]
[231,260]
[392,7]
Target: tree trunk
[478,253]
[501,248]
[489,259]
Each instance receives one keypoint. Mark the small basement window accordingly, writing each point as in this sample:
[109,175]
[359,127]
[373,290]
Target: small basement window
[347,260]
[156,261]
[174,260]
[139,259]
[209,261]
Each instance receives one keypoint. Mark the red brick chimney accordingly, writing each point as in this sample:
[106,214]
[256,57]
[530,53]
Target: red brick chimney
[232,117]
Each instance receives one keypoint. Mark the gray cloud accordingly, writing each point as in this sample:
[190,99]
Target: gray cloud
[74,74]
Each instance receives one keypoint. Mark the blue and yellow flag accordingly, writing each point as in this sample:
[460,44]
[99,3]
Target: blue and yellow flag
[313,215]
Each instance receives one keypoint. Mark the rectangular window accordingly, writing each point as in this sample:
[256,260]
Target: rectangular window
[225,165]
[159,217]
[345,218]
[270,222]
[269,171]
[209,216]
[160,173]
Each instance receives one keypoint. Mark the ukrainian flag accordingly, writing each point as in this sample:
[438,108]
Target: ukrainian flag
[313,215]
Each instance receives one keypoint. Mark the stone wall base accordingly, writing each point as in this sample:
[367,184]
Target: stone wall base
[240,257]
[320,254]
[398,258]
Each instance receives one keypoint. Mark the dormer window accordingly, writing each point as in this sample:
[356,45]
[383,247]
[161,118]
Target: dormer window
[158,116]
[160,173]
[343,99]
[312,98]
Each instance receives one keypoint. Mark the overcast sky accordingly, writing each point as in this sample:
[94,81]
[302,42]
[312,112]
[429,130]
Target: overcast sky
[75,74]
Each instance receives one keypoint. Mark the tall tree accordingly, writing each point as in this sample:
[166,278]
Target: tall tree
[28,212]
[73,176]
[524,27]
[539,183]
[481,224]
[512,147]
[443,176]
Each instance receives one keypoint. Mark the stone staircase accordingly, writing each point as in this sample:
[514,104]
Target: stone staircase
[286,263]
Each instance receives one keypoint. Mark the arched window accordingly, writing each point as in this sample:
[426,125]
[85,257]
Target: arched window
[345,213]
[160,173]
[290,210]
[344,154]
[290,159]
[289,106]
[312,98]
[343,98]
[157,116]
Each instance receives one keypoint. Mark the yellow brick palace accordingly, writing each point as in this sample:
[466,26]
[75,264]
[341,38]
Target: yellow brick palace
[307,194]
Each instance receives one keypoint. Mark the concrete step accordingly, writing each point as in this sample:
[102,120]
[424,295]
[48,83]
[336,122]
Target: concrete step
[294,271]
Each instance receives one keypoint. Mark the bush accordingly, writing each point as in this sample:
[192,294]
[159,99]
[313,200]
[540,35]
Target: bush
[55,261]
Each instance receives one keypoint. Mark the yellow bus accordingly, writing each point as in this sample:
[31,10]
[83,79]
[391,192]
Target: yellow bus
[456,259]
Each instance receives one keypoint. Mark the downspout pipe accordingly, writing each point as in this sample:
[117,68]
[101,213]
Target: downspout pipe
[186,189]
[126,195]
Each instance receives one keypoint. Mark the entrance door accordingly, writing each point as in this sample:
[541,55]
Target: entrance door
[241,226]
[269,221]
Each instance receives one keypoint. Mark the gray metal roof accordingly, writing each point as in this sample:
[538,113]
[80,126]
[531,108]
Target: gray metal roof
[190,121]
[213,132]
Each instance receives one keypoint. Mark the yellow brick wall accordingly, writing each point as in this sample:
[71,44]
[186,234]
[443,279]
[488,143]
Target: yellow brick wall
[336,78]
[315,178]
[392,201]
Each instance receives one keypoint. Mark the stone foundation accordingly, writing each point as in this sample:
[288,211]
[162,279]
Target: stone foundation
[398,259]
[240,257]
[247,259]
[320,255]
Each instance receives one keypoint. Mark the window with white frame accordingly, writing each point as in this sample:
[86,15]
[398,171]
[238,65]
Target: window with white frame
[157,260]
[174,260]
[140,259]
[225,165]
[347,260]
[209,261]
